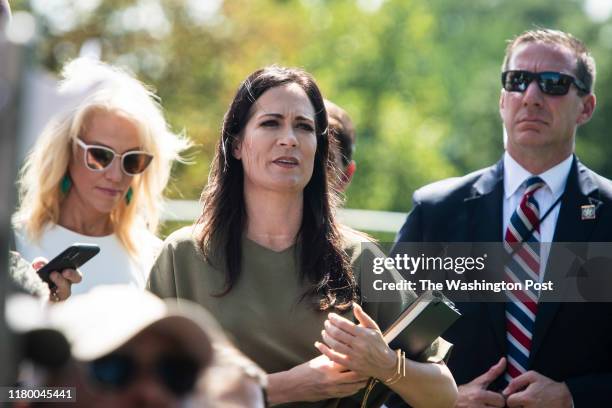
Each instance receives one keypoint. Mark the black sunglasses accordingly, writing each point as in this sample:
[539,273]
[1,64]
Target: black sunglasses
[99,158]
[117,371]
[550,83]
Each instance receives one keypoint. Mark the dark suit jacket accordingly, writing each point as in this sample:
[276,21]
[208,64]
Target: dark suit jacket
[572,342]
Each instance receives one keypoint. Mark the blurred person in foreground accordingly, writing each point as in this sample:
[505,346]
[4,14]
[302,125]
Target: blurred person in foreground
[133,351]
[25,279]
[96,175]
[22,273]
[5,13]
[341,144]
[268,259]
[529,352]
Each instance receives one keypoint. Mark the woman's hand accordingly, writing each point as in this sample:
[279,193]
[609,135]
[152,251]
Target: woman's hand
[63,281]
[360,348]
[314,380]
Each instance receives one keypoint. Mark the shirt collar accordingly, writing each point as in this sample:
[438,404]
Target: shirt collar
[555,177]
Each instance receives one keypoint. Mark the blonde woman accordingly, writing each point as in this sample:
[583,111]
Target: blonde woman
[97,174]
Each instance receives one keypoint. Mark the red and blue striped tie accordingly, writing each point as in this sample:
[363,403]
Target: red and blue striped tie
[522,242]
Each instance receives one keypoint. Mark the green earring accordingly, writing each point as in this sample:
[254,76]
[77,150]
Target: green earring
[128,196]
[65,184]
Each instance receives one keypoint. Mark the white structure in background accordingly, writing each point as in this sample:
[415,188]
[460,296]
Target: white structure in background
[364,220]
[598,10]
[42,101]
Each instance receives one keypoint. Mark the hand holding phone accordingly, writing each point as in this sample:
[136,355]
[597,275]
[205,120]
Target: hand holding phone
[72,257]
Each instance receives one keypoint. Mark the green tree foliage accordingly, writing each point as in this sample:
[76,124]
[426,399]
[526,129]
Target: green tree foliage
[419,77]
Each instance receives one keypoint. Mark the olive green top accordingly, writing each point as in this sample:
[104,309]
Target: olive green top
[263,312]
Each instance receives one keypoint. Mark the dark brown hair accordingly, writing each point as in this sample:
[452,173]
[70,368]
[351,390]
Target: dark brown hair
[323,262]
[585,63]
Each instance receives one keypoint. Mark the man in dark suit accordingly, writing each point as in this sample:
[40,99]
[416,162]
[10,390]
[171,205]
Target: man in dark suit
[521,353]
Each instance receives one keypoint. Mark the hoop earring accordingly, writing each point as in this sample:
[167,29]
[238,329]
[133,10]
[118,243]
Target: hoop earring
[128,196]
[65,184]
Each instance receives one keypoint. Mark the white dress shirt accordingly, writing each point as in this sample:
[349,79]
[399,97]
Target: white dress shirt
[555,178]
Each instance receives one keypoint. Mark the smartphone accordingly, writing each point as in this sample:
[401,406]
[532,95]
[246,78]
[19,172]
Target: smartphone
[71,258]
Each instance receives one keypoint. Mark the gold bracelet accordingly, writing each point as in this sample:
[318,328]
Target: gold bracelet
[397,366]
[401,369]
[400,372]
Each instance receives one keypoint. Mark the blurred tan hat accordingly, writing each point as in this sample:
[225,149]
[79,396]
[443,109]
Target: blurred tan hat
[107,317]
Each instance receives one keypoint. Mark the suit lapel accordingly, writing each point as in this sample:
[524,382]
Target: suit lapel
[580,190]
[484,206]
[484,209]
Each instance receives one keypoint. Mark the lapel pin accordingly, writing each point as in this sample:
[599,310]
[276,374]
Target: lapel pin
[588,212]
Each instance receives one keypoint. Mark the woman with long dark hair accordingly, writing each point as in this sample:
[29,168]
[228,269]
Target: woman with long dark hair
[269,260]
